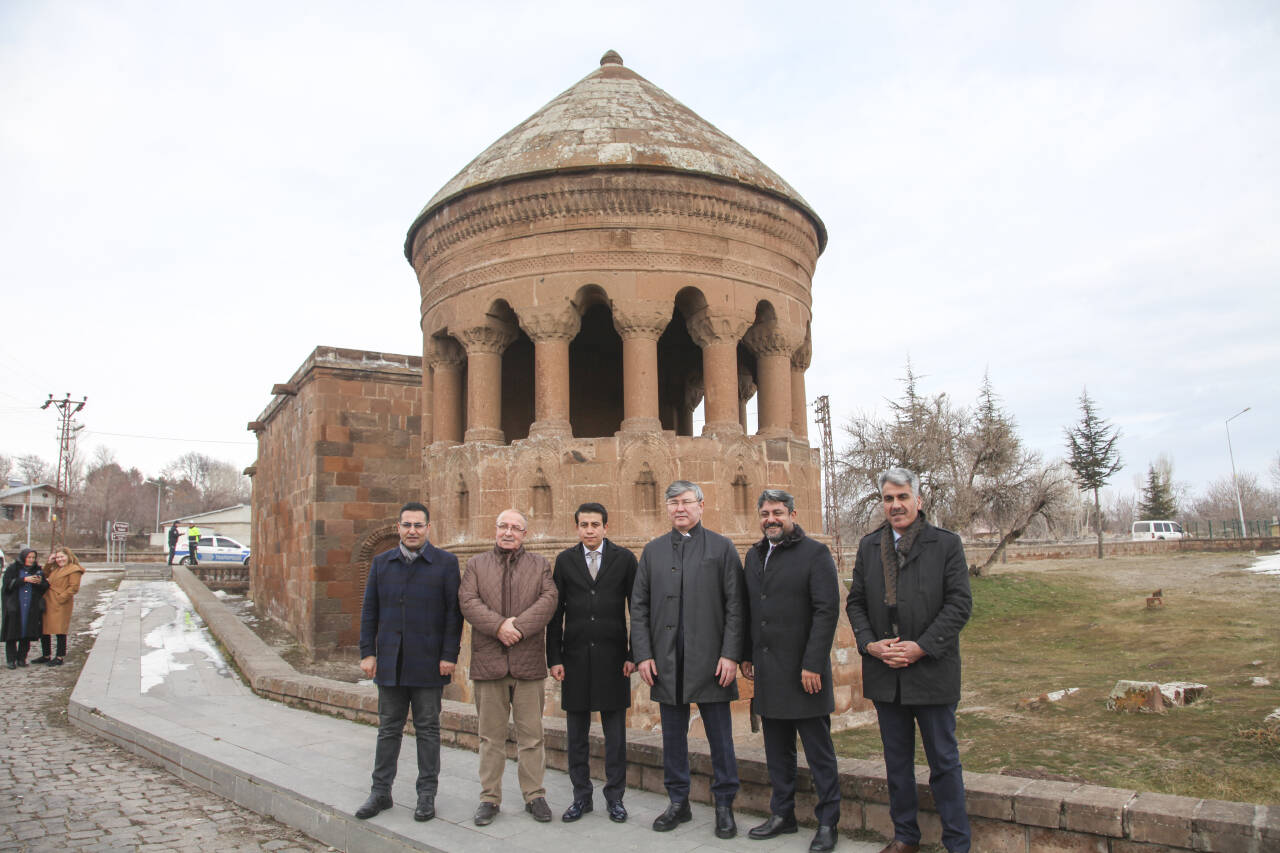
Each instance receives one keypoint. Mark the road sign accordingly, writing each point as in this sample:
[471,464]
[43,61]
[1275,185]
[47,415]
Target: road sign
[119,527]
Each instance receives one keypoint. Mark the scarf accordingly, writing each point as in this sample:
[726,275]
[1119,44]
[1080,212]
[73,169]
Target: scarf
[891,558]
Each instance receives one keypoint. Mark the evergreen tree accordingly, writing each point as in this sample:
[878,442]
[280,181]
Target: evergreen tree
[1092,454]
[1157,500]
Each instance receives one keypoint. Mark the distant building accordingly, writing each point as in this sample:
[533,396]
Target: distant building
[15,501]
[233,521]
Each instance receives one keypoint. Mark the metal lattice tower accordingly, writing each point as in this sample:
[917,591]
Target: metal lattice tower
[66,410]
[822,409]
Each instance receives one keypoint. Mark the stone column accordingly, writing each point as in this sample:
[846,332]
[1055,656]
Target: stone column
[799,404]
[773,347]
[485,344]
[640,323]
[446,360]
[551,332]
[746,389]
[718,334]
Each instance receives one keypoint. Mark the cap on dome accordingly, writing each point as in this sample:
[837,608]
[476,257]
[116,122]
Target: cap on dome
[614,118]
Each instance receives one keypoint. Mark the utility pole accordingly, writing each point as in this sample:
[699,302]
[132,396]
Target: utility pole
[67,408]
[822,408]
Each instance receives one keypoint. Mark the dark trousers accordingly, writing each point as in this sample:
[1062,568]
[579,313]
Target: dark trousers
[46,642]
[946,779]
[614,724]
[780,754]
[675,750]
[16,650]
[173,547]
[193,547]
[393,710]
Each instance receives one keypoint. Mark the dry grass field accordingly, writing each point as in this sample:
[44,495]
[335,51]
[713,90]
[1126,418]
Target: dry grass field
[1041,626]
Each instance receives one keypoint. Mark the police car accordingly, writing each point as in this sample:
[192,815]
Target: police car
[214,548]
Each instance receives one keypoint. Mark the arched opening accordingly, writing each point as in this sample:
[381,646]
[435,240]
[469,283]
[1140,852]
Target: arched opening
[748,389]
[646,491]
[517,377]
[595,371]
[462,503]
[680,387]
[540,500]
[741,494]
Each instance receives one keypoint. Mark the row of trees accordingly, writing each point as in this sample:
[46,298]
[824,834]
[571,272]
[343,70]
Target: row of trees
[102,490]
[978,478]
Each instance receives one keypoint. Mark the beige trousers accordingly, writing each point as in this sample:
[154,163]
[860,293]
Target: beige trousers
[497,701]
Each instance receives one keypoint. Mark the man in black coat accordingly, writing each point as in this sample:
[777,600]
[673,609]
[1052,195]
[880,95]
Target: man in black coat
[173,541]
[793,602]
[587,652]
[908,601]
[410,635]
[687,612]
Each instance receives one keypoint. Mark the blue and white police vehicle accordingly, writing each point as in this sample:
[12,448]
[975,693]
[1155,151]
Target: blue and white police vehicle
[212,549]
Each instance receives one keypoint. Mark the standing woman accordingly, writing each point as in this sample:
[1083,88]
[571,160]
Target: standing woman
[63,571]
[22,588]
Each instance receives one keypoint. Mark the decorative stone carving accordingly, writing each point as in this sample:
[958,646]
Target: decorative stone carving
[635,318]
[772,339]
[803,355]
[746,385]
[445,352]
[708,328]
[493,337]
[561,325]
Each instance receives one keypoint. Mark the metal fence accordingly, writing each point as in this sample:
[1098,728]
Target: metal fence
[1204,529]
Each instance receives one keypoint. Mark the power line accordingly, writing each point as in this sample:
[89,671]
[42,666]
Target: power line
[168,438]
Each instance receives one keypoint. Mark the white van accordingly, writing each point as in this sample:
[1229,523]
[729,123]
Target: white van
[1143,530]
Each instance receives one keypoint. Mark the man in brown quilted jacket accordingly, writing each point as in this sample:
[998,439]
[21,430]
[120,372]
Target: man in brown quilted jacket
[508,596]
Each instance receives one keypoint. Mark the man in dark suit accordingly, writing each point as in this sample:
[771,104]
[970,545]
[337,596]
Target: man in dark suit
[907,603]
[588,654]
[410,634]
[173,541]
[793,602]
[686,635]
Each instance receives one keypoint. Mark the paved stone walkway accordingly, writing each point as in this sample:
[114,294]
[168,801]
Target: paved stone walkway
[64,789]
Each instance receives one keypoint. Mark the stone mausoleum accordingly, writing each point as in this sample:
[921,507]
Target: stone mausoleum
[605,271]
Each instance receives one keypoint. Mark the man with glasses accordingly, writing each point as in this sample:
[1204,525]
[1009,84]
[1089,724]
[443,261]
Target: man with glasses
[508,596]
[686,634]
[410,634]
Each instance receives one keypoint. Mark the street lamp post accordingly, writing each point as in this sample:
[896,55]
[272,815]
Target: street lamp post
[1234,480]
[159,484]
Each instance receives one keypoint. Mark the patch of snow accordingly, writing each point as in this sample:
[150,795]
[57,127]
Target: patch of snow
[220,593]
[1269,565]
[1059,695]
[100,607]
[181,636]
[1260,681]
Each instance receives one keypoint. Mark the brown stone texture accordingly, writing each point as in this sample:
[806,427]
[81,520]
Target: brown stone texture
[336,459]
[1161,819]
[997,836]
[1226,827]
[1040,802]
[1043,840]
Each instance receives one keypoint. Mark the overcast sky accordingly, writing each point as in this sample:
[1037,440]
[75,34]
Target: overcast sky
[198,194]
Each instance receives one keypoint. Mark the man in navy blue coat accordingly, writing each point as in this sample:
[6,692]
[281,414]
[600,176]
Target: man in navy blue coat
[410,634]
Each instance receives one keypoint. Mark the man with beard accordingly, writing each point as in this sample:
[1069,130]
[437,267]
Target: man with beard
[793,602]
[686,634]
[410,634]
[908,601]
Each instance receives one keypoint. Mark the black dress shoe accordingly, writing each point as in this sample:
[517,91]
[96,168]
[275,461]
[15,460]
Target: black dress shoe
[22,663]
[617,812]
[42,659]
[825,839]
[376,803]
[12,665]
[576,810]
[426,809]
[725,825]
[676,813]
[485,814]
[775,825]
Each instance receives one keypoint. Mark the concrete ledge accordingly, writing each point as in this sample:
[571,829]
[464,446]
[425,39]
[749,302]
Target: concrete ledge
[1008,813]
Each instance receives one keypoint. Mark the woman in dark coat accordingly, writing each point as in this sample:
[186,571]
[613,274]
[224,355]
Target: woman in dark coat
[22,589]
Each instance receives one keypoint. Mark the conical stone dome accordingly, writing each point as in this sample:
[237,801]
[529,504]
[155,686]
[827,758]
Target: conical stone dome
[614,118]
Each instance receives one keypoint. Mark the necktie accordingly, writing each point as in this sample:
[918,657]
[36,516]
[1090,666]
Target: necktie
[593,563]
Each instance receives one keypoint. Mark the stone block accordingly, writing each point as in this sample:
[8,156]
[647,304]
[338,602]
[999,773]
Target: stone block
[991,796]
[1225,827]
[1040,802]
[1141,696]
[876,819]
[1096,810]
[1161,819]
[1044,840]
[997,836]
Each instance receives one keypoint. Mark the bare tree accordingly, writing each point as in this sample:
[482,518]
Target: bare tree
[6,467]
[1092,454]
[1218,500]
[218,483]
[1120,511]
[34,470]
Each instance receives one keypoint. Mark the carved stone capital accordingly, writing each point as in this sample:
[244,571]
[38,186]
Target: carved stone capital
[694,390]
[801,357]
[746,385]
[561,324]
[492,337]
[641,318]
[709,327]
[445,352]
[771,339]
